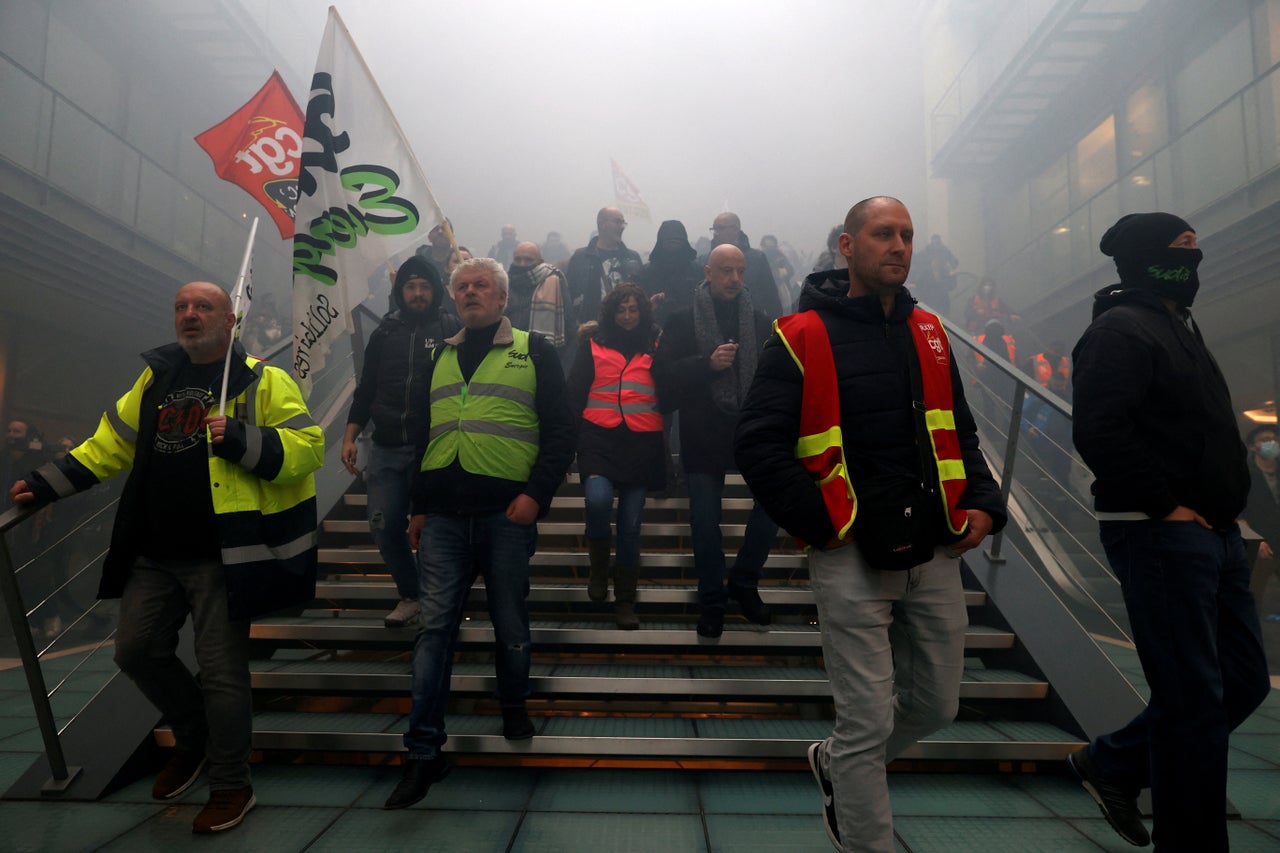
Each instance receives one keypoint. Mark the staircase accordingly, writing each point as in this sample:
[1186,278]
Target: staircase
[332,679]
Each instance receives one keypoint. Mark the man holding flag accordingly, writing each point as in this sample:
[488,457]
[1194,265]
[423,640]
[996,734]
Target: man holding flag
[217,520]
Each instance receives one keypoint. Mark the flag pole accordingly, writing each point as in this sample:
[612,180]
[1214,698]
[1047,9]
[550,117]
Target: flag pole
[237,293]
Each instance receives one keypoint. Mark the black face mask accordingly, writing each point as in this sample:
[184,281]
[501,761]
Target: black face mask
[1169,273]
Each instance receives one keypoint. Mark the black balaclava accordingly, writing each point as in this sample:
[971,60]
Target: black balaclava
[1139,242]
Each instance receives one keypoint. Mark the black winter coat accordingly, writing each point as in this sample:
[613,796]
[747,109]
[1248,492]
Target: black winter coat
[683,372]
[1153,416]
[618,454]
[394,381]
[876,416]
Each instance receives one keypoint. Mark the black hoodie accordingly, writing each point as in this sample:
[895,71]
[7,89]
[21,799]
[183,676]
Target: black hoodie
[394,389]
[1153,417]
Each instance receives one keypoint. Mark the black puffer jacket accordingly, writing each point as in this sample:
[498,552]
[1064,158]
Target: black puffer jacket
[1153,417]
[393,389]
[876,416]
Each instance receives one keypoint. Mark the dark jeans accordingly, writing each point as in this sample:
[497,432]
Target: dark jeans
[453,550]
[388,478]
[598,494]
[1186,590]
[214,713]
[705,493]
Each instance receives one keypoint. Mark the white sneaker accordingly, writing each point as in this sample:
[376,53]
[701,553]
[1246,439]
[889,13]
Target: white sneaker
[406,613]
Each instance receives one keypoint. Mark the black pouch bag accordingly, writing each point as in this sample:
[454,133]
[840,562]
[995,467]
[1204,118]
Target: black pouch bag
[894,528]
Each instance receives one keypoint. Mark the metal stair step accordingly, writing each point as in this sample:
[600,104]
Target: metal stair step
[339,627]
[627,681]
[572,502]
[370,557]
[640,737]
[651,529]
[360,588]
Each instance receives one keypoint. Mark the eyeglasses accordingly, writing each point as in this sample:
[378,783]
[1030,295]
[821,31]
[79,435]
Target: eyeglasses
[724,227]
[616,219]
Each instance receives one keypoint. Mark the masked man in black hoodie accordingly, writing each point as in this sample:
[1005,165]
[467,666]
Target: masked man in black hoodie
[393,394]
[1155,423]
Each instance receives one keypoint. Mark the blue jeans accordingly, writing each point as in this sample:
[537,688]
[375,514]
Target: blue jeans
[705,493]
[598,492]
[388,478]
[215,713]
[1186,590]
[455,549]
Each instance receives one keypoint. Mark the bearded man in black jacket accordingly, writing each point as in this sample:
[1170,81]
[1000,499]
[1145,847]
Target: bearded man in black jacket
[1155,423]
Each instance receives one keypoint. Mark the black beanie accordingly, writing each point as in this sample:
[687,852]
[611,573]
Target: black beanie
[417,267]
[1137,233]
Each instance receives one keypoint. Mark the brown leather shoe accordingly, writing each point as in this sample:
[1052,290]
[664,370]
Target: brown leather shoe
[178,775]
[225,810]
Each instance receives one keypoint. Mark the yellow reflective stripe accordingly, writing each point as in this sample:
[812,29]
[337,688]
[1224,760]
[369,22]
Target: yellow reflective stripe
[786,343]
[950,469]
[813,445]
[940,419]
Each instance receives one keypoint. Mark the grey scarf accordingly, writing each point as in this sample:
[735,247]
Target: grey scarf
[728,387]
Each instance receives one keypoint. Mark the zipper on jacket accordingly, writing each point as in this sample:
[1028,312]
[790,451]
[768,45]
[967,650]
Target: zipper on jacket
[408,387]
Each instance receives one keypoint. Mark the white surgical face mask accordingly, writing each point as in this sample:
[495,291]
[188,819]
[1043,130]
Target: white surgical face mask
[1269,449]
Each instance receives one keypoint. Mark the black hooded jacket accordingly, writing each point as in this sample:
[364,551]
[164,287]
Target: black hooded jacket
[877,420]
[1153,417]
[394,382]
[672,270]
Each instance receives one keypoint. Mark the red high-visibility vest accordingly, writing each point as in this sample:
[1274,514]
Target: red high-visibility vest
[1044,369]
[820,447]
[622,391]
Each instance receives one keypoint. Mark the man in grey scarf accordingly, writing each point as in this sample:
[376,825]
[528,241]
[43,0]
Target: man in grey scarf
[705,361]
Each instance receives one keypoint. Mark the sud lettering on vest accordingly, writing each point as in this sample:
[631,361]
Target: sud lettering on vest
[490,424]
[820,446]
[622,391]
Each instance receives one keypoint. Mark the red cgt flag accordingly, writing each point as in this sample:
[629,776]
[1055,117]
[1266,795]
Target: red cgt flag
[258,147]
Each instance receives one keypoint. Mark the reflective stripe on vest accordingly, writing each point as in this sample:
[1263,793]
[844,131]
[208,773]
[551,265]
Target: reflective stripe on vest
[1044,369]
[622,391]
[820,447]
[490,424]
[934,351]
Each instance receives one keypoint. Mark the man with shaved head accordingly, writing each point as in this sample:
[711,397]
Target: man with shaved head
[857,439]
[535,294]
[703,367]
[217,519]
[726,230]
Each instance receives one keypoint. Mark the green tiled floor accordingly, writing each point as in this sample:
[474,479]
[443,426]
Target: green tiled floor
[497,809]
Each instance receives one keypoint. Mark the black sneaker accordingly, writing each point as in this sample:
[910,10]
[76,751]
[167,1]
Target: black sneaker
[417,775]
[828,795]
[1119,807]
[516,724]
[711,623]
[748,598]
[178,774]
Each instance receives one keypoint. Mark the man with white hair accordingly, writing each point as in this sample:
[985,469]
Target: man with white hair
[501,437]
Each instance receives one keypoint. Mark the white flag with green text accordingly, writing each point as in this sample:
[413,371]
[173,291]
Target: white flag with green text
[362,198]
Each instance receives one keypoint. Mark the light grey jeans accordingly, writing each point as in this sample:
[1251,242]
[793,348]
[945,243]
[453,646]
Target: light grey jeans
[214,713]
[893,645]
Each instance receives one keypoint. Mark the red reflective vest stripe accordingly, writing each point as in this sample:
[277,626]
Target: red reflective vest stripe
[820,445]
[1044,369]
[622,391]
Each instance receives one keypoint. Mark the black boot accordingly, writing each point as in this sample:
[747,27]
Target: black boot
[416,777]
[748,598]
[624,597]
[516,724]
[598,581]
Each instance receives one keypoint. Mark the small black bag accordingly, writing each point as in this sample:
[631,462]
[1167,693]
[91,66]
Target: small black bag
[894,528]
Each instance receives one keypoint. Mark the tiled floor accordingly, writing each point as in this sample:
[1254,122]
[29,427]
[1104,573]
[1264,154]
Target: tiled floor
[543,809]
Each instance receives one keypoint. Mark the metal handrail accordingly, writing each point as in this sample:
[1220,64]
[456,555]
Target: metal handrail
[12,595]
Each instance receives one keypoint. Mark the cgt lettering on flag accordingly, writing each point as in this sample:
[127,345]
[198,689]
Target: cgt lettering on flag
[259,149]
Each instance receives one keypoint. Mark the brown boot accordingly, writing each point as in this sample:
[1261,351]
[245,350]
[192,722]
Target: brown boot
[624,597]
[598,581]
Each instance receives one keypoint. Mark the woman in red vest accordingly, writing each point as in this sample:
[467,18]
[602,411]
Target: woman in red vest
[620,445]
